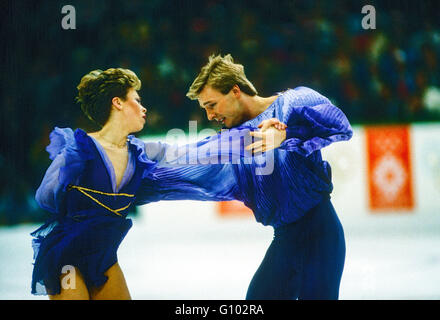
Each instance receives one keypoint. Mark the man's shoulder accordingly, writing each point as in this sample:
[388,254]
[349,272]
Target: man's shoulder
[303,95]
[300,91]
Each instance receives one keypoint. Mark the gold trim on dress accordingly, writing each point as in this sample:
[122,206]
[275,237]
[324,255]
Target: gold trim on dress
[84,191]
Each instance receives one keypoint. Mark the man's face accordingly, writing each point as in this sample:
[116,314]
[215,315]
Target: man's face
[224,108]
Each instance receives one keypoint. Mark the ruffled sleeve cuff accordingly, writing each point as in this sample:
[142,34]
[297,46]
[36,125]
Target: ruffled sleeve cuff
[59,139]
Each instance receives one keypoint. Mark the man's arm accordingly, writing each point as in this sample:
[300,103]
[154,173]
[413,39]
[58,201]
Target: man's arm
[312,122]
[319,126]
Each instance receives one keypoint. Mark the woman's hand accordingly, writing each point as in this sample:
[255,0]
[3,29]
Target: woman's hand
[272,133]
[266,124]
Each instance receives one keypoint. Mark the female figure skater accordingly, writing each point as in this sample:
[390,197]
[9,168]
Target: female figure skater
[90,185]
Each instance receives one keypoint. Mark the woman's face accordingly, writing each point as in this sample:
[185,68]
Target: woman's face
[134,112]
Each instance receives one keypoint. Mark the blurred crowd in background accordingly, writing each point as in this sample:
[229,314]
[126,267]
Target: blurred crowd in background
[385,75]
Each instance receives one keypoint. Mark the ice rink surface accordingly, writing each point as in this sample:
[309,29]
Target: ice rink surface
[170,254]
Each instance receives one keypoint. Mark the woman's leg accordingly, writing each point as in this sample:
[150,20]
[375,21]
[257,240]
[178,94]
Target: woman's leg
[76,290]
[115,288]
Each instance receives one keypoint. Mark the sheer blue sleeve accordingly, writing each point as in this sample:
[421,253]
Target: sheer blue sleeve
[196,182]
[50,192]
[228,146]
[199,171]
[313,122]
[67,162]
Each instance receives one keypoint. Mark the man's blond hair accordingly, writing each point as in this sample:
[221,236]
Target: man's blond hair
[221,73]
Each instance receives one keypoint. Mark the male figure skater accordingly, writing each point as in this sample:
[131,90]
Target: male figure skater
[306,257]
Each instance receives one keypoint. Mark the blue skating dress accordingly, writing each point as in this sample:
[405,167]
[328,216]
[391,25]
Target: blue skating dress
[89,214]
[89,211]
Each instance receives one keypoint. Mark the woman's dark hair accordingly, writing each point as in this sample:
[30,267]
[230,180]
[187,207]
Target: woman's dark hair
[97,89]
